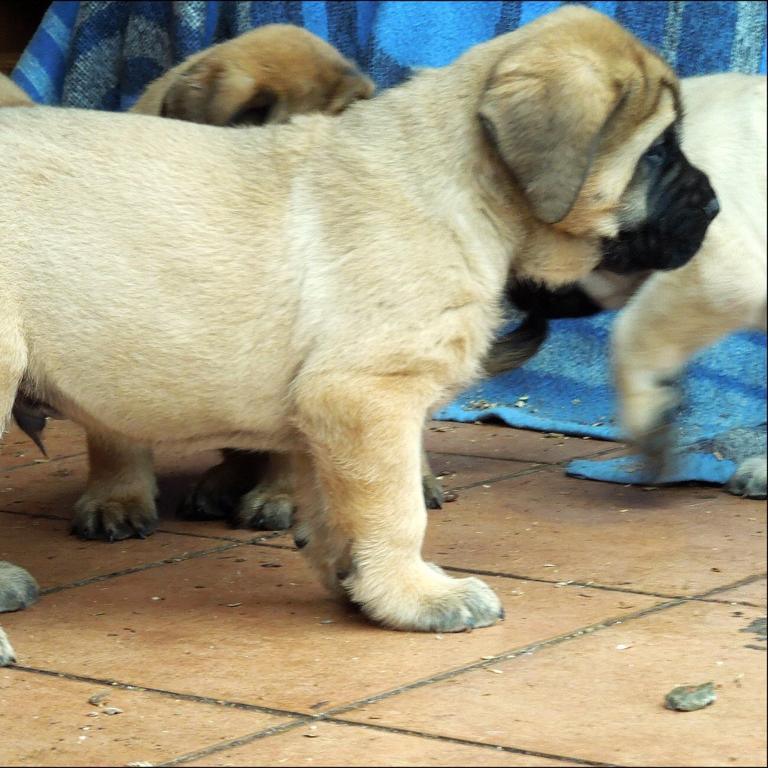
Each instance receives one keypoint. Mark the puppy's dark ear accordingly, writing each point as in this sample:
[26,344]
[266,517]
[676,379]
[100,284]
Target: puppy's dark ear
[352,86]
[546,113]
[191,94]
[257,110]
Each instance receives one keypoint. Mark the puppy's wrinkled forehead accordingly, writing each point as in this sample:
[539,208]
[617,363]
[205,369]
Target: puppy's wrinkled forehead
[566,90]
[584,49]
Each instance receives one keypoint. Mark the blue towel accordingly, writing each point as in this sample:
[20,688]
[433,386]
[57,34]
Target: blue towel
[101,55]
[567,388]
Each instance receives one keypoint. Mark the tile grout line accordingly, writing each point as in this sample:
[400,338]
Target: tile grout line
[215,537]
[223,746]
[276,730]
[40,462]
[532,470]
[143,567]
[607,587]
[552,582]
[468,742]
[192,697]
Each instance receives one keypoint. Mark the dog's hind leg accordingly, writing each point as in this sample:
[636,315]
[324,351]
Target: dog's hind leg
[119,500]
[360,505]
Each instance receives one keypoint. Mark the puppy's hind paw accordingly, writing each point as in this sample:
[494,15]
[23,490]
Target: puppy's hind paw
[261,510]
[749,479]
[114,520]
[17,588]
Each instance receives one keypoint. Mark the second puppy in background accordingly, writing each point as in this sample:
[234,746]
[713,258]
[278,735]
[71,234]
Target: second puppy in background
[266,75]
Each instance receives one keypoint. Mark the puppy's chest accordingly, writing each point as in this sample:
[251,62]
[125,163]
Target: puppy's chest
[464,334]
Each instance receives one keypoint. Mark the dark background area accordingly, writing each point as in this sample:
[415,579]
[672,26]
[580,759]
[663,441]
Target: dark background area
[19,20]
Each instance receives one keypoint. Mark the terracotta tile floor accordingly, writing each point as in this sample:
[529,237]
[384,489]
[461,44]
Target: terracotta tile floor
[218,647]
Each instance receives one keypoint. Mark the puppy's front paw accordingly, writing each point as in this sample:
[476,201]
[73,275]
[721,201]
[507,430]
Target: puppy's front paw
[17,588]
[425,599]
[749,479]
[114,519]
[7,656]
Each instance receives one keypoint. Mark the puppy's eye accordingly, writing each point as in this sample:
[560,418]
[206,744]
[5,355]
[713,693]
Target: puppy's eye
[656,153]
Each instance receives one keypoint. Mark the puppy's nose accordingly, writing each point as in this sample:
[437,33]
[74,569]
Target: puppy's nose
[712,208]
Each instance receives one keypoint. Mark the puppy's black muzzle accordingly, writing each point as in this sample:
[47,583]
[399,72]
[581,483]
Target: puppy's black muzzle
[681,204]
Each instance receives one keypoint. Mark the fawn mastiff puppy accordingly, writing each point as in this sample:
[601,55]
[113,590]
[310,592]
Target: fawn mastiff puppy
[335,277]
[266,75]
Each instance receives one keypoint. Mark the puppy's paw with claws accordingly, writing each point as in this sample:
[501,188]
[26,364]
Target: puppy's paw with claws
[114,519]
[749,479]
[17,588]
[425,599]
[434,496]
[264,509]
[7,656]
[653,432]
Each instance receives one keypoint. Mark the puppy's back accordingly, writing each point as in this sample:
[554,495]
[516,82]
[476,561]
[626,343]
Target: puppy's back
[724,132]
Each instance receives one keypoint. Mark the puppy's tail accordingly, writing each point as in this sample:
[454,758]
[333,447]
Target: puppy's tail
[518,346]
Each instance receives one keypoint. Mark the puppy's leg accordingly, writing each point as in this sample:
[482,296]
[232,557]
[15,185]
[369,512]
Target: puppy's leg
[434,495]
[365,525]
[314,534]
[255,490]
[219,490]
[665,324]
[119,500]
[749,479]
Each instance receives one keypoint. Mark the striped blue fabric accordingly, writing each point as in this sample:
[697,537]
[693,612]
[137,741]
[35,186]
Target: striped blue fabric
[102,54]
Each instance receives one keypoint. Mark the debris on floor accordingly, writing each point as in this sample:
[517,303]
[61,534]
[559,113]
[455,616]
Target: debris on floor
[98,699]
[688,698]
[758,626]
